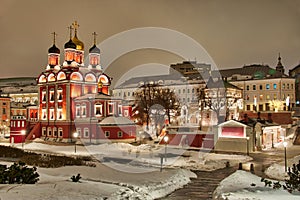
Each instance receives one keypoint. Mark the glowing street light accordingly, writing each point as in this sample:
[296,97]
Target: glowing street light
[285,161]
[75,135]
[166,138]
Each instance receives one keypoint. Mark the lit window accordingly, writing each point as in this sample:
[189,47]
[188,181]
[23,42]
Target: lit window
[43,96]
[274,86]
[275,96]
[98,109]
[44,114]
[51,95]
[59,95]
[283,86]
[59,113]
[268,86]
[261,97]
[52,113]
[268,97]
[83,110]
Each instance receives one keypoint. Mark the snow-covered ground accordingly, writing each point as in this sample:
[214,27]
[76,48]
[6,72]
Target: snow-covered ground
[123,171]
[244,185]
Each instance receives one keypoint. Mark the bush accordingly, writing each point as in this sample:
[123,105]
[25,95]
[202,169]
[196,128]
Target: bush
[18,173]
[291,184]
[76,178]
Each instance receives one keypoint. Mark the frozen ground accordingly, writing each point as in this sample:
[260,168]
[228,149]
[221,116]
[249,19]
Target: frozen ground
[123,171]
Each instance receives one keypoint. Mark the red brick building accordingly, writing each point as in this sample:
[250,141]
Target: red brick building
[68,94]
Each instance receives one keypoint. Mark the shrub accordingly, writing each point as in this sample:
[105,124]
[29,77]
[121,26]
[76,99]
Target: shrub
[76,178]
[291,184]
[18,173]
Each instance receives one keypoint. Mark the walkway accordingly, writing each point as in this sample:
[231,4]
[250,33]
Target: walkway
[201,187]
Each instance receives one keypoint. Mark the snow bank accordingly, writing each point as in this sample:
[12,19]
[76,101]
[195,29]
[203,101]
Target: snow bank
[244,185]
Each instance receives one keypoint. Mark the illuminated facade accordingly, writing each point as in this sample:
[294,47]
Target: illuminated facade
[60,85]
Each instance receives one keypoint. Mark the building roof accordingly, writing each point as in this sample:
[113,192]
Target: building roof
[256,71]
[112,121]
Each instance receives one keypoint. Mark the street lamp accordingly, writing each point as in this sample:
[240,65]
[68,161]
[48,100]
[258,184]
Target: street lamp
[166,138]
[247,138]
[75,135]
[23,133]
[285,162]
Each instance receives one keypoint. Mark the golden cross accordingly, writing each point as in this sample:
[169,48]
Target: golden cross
[75,25]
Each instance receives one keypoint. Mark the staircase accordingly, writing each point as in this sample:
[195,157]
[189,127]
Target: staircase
[35,132]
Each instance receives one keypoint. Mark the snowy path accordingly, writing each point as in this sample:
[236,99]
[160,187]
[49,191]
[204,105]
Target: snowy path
[201,187]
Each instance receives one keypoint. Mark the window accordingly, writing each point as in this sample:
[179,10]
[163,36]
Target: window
[60,132]
[178,91]
[86,132]
[44,114]
[110,108]
[126,113]
[77,110]
[261,97]
[260,87]
[4,111]
[268,97]
[248,107]
[292,86]
[59,95]
[4,103]
[268,86]
[275,96]
[59,113]
[52,113]
[248,87]
[247,97]
[18,124]
[44,131]
[120,134]
[49,131]
[261,107]
[193,90]
[275,86]
[107,134]
[188,90]
[51,95]
[120,110]
[54,131]
[98,109]
[183,90]
[23,124]
[78,130]
[83,110]
[283,86]
[267,107]
[254,87]
[288,86]
[43,96]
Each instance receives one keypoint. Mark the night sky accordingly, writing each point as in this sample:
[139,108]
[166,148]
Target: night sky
[233,32]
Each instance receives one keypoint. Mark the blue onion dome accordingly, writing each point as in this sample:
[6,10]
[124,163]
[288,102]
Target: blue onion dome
[94,49]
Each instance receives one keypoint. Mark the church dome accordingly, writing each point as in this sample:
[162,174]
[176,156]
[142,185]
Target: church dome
[78,43]
[70,44]
[94,49]
[54,49]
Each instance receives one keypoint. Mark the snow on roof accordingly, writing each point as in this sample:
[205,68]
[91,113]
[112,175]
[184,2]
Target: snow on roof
[108,121]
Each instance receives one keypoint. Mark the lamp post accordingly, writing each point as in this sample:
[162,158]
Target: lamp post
[23,133]
[75,135]
[247,138]
[285,161]
[166,138]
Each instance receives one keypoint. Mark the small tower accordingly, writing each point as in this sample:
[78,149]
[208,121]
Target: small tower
[79,52]
[280,67]
[70,48]
[53,56]
[94,55]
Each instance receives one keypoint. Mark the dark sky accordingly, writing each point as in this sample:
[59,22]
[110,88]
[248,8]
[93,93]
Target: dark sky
[233,32]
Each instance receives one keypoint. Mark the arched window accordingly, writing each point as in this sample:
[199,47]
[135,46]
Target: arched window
[98,109]
[61,76]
